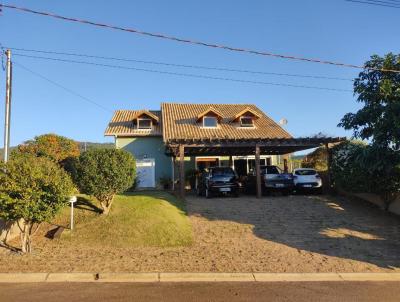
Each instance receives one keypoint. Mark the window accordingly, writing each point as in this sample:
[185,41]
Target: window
[144,123]
[246,121]
[305,172]
[210,122]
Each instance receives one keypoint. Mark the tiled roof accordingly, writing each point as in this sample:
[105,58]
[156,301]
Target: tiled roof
[122,124]
[180,123]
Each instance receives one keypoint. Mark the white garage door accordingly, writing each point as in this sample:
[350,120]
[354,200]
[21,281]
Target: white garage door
[146,173]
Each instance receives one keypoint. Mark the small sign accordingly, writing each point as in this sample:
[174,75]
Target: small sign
[73,199]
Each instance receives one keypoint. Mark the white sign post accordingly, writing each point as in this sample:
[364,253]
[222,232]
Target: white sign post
[72,200]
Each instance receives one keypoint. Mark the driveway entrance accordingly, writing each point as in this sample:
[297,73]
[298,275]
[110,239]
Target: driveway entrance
[296,234]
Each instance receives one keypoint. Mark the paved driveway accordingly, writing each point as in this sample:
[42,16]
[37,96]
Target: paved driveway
[297,233]
[273,234]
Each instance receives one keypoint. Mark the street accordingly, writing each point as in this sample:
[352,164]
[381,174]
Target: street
[223,291]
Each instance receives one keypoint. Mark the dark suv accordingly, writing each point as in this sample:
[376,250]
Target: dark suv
[218,180]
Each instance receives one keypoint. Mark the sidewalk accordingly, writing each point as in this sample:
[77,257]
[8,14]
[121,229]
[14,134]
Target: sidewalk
[195,277]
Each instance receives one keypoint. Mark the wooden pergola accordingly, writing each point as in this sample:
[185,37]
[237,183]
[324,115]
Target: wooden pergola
[179,148]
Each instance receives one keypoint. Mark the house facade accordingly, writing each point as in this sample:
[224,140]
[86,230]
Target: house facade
[146,133]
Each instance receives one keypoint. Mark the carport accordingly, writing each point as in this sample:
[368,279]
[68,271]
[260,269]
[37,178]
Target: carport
[179,148]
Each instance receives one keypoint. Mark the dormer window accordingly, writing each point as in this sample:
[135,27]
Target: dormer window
[246,121]
[144,123]
[210,118]
[210,122]
[246,118]
[144,120]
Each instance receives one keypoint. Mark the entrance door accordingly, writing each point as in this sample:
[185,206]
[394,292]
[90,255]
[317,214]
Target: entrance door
[145,169]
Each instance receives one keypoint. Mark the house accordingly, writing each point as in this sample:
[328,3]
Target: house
[202,135]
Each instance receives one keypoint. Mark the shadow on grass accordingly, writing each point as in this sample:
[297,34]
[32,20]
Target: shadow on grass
[9,247]
[84,203]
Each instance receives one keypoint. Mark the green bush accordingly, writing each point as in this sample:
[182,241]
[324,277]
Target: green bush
[33,189]
[103,173]
[358,167]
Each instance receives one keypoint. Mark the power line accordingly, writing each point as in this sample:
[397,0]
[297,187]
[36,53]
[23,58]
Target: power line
[389,2]
[182,65]
[62,86]
[188,41]
[376,3]
[184,74]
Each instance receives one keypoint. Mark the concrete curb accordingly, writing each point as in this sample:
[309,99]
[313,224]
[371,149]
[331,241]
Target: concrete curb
[195,277]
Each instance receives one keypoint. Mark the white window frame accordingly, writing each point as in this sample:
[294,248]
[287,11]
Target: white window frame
[210,127]
[144,119]
[246,125]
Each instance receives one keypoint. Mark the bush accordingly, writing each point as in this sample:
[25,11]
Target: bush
[55,147]
[103,173]
[347,171]
[358,167]
[33,190]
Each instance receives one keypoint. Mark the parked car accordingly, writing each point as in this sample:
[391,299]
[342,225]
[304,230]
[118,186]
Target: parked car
[307,179]
[272,179]
[218,180]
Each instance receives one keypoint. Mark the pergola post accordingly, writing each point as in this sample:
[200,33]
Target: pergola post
[329,166]
[173,172]
[182,171]
[258,172]
[230,161]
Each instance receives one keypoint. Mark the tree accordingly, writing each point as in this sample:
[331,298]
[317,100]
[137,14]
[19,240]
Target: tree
[103,173]
[378,120]
[316,160]
[55,147]
[32,191]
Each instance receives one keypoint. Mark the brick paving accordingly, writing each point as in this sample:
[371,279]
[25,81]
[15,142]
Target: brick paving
[300,233]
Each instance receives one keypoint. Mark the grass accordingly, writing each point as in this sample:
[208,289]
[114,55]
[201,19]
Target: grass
[144,219]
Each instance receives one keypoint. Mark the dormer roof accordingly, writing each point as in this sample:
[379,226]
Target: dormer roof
[246,112]
[210,111]
[146,113]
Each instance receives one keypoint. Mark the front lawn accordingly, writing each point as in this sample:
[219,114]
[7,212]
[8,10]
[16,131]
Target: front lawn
[143,219]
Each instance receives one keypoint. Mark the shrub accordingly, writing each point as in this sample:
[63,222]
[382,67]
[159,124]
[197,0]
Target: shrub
[358,167]
[33,190]
[55,147]
[103,173]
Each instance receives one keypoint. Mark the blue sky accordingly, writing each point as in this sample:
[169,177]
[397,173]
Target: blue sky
[332,29]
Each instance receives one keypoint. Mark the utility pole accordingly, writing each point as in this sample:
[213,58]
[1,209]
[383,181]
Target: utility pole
[8,106]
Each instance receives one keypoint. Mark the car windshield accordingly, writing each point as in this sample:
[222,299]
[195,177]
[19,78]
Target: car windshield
[270,170]
[222,172]
[305,172]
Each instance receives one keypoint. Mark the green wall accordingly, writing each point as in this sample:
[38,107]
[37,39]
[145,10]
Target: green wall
[148,147]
